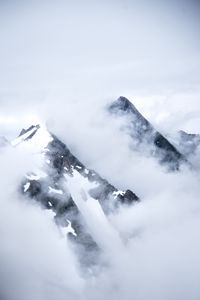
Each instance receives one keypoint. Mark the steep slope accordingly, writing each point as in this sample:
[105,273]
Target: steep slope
[49,185]
[145,136]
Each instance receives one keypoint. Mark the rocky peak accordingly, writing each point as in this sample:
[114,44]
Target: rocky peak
[145,136]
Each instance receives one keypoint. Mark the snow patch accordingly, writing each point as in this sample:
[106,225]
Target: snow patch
[26,187]
[83,182]
[40,139]
[79,167]
[50,204]
[117,193]
[52,190]
[23,137]
[68,229]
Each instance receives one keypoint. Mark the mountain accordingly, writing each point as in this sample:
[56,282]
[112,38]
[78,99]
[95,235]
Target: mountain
[61,161]
[145,137]
[49,185]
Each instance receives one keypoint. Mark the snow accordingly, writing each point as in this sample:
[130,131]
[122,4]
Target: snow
[52,190]
[50,204]
[83,182]
[68,229]
[40,139]
[23,137]
[98,225]
[117,193]
[78,167]
[50,213]
[26,187]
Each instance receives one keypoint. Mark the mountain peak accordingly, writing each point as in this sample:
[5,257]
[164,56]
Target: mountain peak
[143,133]
[62,161]
[24,131]
[37,134]
[123,104]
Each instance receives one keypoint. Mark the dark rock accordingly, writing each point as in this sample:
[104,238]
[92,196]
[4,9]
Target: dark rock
[143,133]
[62,162]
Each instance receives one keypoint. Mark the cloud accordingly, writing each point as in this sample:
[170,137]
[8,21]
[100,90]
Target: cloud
[150,251]
[97,50]
[61,65]
[36,260]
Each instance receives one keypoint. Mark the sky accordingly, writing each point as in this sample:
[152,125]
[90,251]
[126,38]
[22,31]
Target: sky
[96,51]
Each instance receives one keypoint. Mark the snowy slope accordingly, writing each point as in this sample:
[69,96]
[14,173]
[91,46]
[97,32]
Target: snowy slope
[49,185]
[53,184]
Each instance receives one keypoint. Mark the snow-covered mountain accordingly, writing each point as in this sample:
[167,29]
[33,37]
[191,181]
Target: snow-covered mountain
[50,185]
[145,137]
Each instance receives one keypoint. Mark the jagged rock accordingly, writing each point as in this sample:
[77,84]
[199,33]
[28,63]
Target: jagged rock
[65,162]
[49,191]
[144,134]
[60,164]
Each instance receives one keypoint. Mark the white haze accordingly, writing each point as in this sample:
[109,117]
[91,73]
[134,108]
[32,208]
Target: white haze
[61,64]
[150,251]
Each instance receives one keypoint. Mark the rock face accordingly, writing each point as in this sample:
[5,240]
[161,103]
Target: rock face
[63,161]
[49,186]
[145,136]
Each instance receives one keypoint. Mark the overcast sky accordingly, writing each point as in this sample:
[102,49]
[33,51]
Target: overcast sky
[60,63]
[64,51]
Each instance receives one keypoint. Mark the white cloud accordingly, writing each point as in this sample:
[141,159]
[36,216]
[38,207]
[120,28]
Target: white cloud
[62,64]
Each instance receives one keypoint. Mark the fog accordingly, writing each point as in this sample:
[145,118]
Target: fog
[61,65]
[98,50]
[149,251]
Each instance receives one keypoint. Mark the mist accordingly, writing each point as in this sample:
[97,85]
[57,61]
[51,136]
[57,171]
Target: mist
[95,51]
[62,64]
[149,250]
